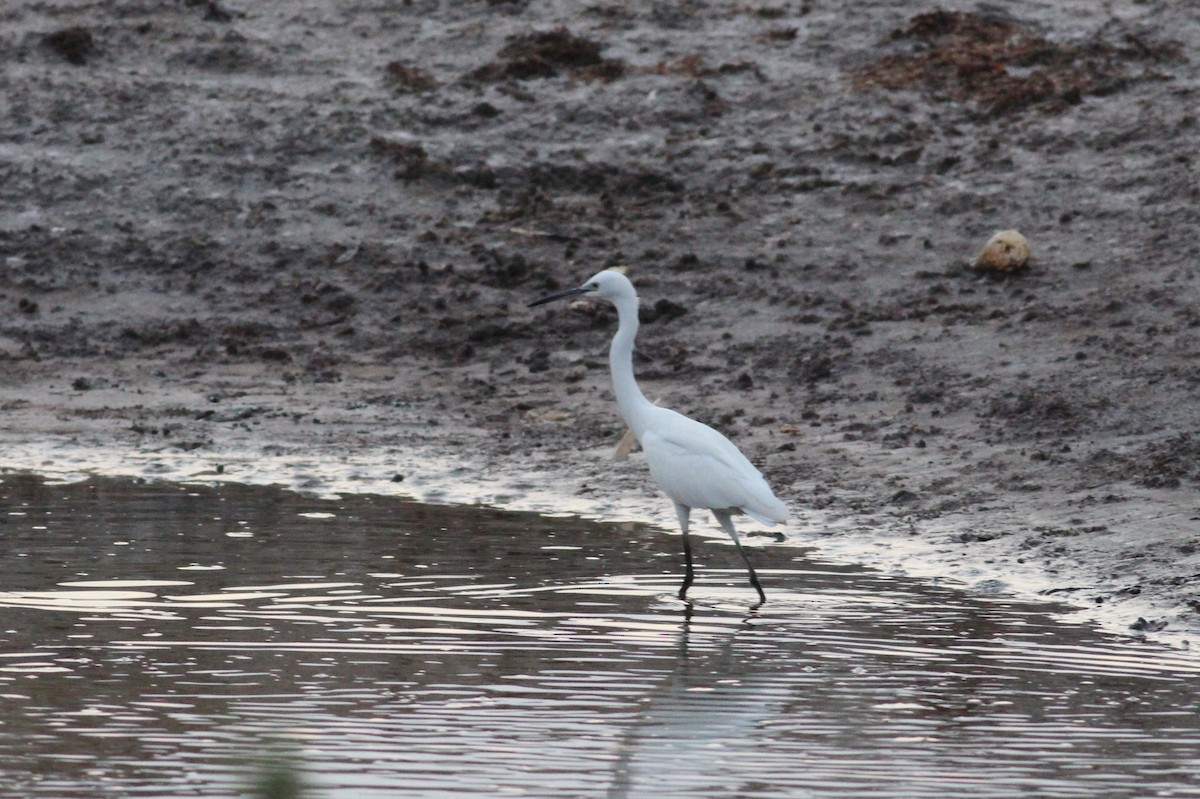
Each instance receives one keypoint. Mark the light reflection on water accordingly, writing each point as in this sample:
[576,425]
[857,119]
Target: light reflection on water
[153,638]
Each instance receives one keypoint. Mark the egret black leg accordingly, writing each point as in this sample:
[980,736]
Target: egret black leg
[726,522]
[683,512]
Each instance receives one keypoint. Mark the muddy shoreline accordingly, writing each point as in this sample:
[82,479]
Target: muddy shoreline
[295,244]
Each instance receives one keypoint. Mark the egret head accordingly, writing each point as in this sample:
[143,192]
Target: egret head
[607,285]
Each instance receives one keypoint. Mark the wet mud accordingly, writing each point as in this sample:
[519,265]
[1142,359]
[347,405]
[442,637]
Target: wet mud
[232,233]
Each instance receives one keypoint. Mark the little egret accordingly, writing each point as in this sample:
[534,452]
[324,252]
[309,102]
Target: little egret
[693,464]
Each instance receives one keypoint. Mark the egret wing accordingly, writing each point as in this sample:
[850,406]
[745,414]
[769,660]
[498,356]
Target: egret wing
[700,468]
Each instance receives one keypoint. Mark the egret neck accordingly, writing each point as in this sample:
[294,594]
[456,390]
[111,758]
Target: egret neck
[634,406]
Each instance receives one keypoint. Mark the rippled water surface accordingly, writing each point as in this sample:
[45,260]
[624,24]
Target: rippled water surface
[158,639]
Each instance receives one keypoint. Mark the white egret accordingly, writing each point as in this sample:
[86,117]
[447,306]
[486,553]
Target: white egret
[695,466]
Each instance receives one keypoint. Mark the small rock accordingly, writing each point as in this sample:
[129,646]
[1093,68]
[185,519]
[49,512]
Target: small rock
[1006,252]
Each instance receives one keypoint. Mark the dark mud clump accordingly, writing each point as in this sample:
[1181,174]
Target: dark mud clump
[1001,66]
[76,44]
[1159,464]
[214,11]
[404,78]
[411,159]
[1041,412]
[545,54]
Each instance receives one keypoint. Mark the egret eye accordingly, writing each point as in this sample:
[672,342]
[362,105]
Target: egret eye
[593,286]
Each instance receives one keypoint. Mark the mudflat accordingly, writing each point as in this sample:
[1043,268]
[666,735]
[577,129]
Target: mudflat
[234,234]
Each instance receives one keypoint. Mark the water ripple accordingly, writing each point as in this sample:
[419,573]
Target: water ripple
[432,652]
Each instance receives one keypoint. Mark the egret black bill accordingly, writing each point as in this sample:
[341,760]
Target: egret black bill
[562,295]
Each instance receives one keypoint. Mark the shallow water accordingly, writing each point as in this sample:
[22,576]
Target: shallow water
[156,640]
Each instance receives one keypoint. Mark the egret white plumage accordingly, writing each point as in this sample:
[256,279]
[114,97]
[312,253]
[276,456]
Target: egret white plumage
[695,466]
